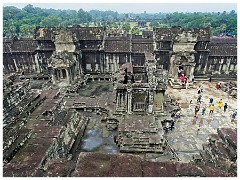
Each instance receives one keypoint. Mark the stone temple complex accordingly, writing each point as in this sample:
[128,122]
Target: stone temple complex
[91,101]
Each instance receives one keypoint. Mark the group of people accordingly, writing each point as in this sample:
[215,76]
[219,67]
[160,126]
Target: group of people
[175,114]
[211,104]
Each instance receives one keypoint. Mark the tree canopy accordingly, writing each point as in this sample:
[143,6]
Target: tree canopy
[22,22]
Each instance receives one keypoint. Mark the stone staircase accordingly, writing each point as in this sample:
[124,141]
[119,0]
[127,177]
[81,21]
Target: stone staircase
[176,85]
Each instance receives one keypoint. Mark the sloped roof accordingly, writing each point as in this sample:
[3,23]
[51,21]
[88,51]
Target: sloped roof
[117,44]
[223,40]
[19,45]
[88,33]
[227,50]
[168,34]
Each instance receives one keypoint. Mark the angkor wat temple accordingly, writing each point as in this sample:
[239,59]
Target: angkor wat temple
[119,79]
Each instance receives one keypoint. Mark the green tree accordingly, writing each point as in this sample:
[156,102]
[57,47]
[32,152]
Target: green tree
[51,21]
[154,24]
[27,30]
[135,30]
[126,26]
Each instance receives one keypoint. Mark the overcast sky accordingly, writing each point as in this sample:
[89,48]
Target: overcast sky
[139,7]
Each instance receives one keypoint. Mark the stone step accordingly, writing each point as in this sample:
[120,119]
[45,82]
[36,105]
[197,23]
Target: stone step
[176,85]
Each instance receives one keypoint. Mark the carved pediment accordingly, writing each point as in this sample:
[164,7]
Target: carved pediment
[61,59]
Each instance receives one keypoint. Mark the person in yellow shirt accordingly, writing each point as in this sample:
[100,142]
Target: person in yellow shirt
[220,103]
[211,109]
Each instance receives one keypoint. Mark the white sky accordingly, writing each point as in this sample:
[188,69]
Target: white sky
[135,7]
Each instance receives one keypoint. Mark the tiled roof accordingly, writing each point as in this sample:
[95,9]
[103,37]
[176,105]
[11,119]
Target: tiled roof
[117,44]
[216,50]
[142,45]
[223,40]
[19,45]
[88,33]
[167,34]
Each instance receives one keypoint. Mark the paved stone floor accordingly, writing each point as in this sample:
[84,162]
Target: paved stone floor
[190,132]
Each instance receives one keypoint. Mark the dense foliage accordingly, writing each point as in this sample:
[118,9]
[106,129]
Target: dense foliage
[22,22]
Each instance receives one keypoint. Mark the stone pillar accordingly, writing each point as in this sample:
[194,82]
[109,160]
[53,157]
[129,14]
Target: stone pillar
[220,67]
[68,79]
[54,76]
[117,99]
[150,100]
[172,69]
[107,63]
[61,74]
[37,64]
[129,101]
[191,71]
[15,64]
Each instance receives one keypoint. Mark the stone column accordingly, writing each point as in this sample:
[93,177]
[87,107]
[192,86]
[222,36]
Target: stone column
[118,100]
[191,71]
[15,64]
[172,69]
[61,74]
[37,64]
[129,101]
[68,79]
[54,76]
[107,63]
[220,66]
[150,100]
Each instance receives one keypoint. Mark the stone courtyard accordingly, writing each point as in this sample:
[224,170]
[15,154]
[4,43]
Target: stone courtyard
[190,132]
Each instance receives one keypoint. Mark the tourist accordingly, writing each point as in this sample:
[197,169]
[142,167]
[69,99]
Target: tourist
[189,106]
[220,103]
[210,78]
[178,103]
[172,124]
[234,115]
[197,107]
[166,127]
[211,109]
[200,90]
[211,100]
[225,107]
[178,114]
[218,85]
[203,110]
[199,98]
[173,115]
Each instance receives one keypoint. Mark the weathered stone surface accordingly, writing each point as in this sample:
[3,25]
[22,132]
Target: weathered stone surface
[93,165]
[122,165]
[187,169]
[59,168]
[159,169]
[125,166]
[229,135]
[214,172]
